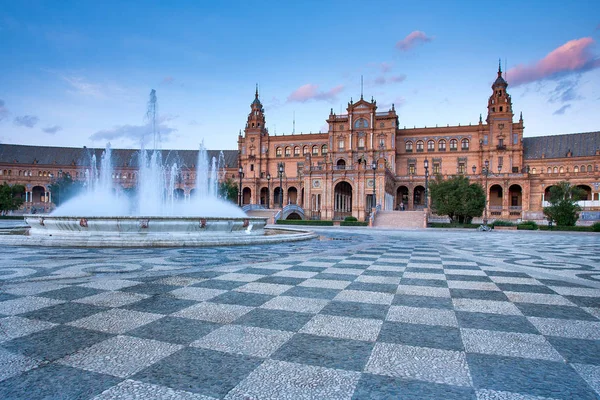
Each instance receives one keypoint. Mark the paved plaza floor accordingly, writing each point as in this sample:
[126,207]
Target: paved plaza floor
[363,314]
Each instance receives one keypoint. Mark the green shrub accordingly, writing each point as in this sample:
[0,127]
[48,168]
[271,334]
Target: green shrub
[500,222]
[350,219]
[304,222]
[451,225]
[353,223]
[567,228]
[596,227]
[527,226]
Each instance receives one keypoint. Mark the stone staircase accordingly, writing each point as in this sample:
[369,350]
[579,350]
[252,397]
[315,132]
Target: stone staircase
[269,214]
[400,219]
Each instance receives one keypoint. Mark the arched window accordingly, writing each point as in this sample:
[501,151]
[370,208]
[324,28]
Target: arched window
[305,150]
[588,170]
[315,151]
[549,170]
[278,152]
[296,151]
[361,123]
[442,145]
[576,169]
[453,144]
[464,144]
[361,143]
[533,171]
[409,146]
[555,170]
[324,149]
[430,145]
[582,168]
[561,170]
[288,151]
[419,146]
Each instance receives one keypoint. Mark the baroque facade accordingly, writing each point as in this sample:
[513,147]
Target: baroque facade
[366,159]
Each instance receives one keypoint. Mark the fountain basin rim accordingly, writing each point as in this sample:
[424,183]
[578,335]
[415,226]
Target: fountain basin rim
[134,217]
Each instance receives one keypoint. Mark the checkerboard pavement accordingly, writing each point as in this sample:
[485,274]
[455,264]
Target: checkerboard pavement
[401,320]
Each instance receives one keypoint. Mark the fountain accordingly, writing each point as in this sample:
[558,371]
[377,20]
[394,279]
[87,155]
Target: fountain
[101,217]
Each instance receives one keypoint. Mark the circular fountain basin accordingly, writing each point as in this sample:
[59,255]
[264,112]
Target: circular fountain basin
[136,231]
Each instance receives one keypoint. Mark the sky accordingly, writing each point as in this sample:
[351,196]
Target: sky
[79,73]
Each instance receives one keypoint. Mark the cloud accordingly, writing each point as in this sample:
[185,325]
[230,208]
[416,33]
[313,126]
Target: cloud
[397,102]
[572,57]
[562,110]
[52,129]
[385,67]
[80,86]
[28,121]
[167,80]
[414,38]
[193,122]
[311,92]
[3,110]
[134,133]
[382,80]
[565,91]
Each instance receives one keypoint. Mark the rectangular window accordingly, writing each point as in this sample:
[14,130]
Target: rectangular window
[436,168]
[461,168]
[341,144]
[411,169]
[515,138]
[485,139]
[251,167]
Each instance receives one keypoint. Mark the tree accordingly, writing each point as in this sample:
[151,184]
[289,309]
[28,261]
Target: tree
[457,198]
[563,209]
[64,188]
[11,197]
[228,190]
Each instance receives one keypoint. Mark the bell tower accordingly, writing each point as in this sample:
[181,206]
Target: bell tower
[256,118]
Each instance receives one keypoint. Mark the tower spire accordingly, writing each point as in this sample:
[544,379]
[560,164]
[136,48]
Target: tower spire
[256,94]
[499,67]
[361,87]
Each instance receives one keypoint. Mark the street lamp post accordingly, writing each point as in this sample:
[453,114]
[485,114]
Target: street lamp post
[241,172]
[280,171]
[486,172]
[268,188]
[374,167]
[426,165]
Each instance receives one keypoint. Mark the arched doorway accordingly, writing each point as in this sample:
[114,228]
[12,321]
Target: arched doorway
[547,194]
[515,195]
[495,200]
[178,194]
[246,195]
[292,195]
[587,190]
[38,194]
[192,193]
[341,164]
[419,197]
[401,197]
[264,197]
[277,197]
[342,206]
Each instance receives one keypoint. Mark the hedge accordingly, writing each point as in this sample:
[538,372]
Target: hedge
[350,219]
[304,222]
[452,225]
[500,222]
[527,226]
[354,223]
[567,228]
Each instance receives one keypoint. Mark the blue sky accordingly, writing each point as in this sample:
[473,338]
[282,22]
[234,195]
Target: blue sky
[79,73]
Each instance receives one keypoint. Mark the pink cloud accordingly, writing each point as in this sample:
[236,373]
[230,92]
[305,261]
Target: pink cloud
[414,38]
[382,80]
[572,57]
[311,92]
